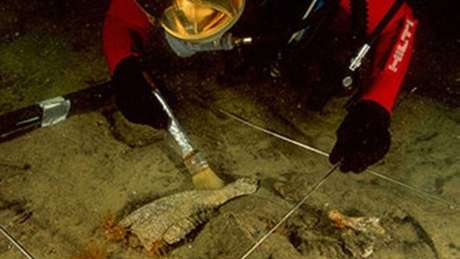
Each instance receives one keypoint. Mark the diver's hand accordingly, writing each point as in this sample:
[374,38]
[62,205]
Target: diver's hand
[362,138]
[134,95]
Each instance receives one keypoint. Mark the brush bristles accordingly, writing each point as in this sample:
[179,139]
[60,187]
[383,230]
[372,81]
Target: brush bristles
[207,180]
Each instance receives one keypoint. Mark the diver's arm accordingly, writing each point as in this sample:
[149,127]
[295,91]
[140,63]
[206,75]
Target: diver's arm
[363,137]
[124,21]
[393,50]
[393,53]
[126,24]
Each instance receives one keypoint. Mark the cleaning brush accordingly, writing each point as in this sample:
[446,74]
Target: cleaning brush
[203,176]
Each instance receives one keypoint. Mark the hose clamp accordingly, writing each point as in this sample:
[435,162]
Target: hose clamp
[54,110]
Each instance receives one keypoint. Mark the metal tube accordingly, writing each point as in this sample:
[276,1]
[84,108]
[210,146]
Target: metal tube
[193,159]
[174,128]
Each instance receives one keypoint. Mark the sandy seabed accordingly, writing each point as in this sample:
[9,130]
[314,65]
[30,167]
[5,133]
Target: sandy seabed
[58,185]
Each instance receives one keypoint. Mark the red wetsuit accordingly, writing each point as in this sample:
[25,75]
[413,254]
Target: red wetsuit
[393,50]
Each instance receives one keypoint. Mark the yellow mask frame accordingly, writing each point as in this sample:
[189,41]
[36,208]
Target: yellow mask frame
[201,20]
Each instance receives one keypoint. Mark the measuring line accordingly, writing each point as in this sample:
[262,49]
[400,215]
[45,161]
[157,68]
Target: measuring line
[273,133]
[294,209]
[421,193]
[15,243]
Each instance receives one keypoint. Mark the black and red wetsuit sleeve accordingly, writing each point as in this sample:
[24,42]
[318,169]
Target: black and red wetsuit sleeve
[125,21]
[393,51]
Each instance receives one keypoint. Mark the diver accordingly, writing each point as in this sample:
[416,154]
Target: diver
[306,41]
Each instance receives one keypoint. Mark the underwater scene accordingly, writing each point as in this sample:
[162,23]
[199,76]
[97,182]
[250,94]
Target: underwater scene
[221,129]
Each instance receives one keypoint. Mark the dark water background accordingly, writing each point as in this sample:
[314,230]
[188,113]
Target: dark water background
[435,69]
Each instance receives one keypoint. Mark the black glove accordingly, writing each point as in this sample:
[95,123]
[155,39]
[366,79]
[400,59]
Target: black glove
[362,138]
[134,95]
